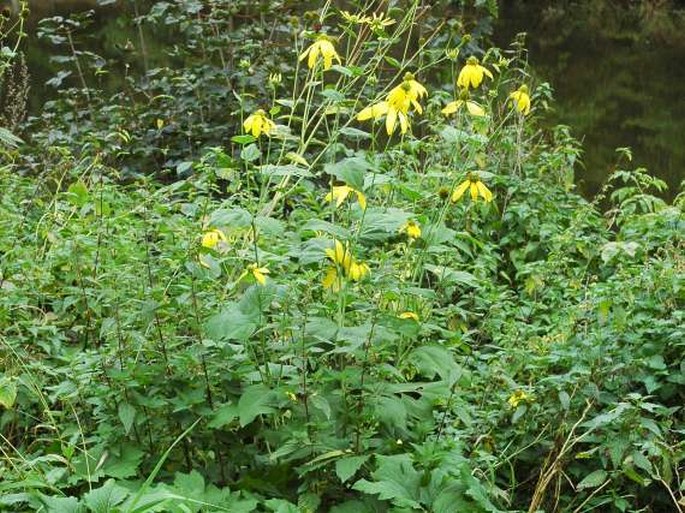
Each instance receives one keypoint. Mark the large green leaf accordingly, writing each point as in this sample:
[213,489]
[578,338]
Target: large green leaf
[256,400]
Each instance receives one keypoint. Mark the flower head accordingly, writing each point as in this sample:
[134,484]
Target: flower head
[259,273]
[518,397]
[321,47]
[521,100]
[407,94]
[476,188]
[340,192]
[409,315]
[212,237]
[412,229]
[258,123]
[471,75]
[344,265]
[354,19]
[379,21]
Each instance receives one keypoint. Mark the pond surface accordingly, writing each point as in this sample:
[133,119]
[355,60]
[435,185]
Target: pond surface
[618,74]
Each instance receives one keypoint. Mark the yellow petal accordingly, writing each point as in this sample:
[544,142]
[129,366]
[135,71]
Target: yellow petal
[365,113]
[390,121]
[331,280]
[474,109]
[473,189]
[404,122]
[247,124]
[459,191]
[487,73]
[314,52]
[484,191]
[451,107]
[361,199]
[409,315]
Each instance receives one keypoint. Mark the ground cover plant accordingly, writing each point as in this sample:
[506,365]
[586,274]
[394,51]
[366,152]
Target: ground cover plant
[310,276]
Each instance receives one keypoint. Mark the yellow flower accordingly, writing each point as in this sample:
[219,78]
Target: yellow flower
[409,315]
[344,266]
[259,273]
[340,193]
[354,19]
[212,237]
[406,94]
[412,229]
[517,397]
[464,101]
[357,271]
[379,21]
[340,255]
[397,105]
[521,100]
[476,188]
[332,280]
[471,75]
[258,124]
[472,107]
[321,47]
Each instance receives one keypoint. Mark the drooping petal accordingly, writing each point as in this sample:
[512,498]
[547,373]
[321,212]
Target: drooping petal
[484,191]
[487,72]
[460,190]
[361,198]
[451,107]
[475,109]
[404,122]
[314,52]
[473,189]
[391,120]
[331,280]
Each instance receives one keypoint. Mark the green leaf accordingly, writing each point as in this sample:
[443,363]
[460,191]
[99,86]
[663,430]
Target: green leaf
[231,324]
[224,415]
[127,415]
[345,468]
[77,194]
[62,504]
[105,498]
[8,392]
[394,480]
[250,153]
[243,139]
[350,170]
[281,506]
[125,465]
[256,400]
[8,138]
[434,360]
[592,480]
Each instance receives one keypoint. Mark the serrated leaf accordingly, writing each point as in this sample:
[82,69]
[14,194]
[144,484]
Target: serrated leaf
[345,468]
[593,480]
[395,480]
[256,400]
[250,153]
[62,504]
[434,360]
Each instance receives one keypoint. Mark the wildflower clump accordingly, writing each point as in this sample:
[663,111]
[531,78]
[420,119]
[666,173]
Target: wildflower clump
[520,99]
[471,75]
[476,188]
[321,48]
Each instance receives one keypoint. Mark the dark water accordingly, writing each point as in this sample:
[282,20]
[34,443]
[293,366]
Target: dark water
[618,71]
[619,78]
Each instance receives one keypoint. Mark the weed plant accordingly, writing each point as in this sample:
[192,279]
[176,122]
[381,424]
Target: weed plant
[372,294]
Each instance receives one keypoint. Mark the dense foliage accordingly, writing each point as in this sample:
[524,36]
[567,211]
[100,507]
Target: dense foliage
[239,285]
